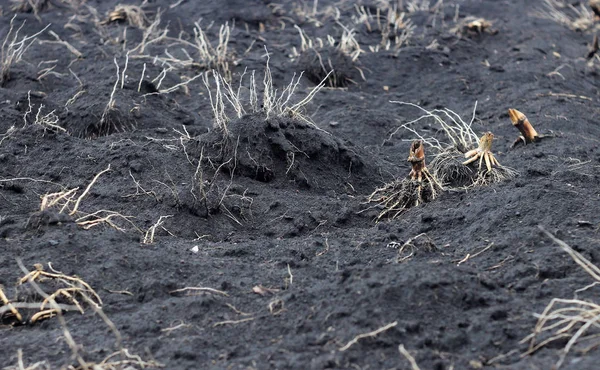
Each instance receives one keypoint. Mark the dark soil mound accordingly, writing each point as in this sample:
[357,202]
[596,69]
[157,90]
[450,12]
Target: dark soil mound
[286,151]
[317,63]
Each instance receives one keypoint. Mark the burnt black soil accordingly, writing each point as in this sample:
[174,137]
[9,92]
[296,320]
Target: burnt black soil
[279,203]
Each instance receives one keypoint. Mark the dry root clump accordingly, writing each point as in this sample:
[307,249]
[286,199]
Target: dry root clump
[494,171]
[399,195]
[69,293]
[448,168]
[483,152]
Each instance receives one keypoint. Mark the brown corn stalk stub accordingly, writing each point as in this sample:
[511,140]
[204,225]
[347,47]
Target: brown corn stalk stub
[416,157]
[528,133]
[421,186]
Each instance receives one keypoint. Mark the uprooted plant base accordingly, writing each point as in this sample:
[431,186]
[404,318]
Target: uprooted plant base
[398,196]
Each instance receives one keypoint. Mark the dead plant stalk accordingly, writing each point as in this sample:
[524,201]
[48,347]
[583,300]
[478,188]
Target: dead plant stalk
[13,49]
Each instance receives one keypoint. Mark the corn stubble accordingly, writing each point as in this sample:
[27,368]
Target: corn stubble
[421,186]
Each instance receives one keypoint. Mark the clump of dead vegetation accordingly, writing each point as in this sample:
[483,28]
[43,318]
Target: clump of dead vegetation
[575,321]
[68,201]
[250,119]
[459,161]
[43,294]
[13,49]
[318,57]
[398,196]
[562,12]
[395,27]
[228,102]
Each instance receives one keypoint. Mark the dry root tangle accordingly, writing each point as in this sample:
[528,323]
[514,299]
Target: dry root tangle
[78,294]
[493,172]
[68,201]
[69,289]
[575,320]
[274,103]
[13,49]
[559,11]
[421,186]
[460,140]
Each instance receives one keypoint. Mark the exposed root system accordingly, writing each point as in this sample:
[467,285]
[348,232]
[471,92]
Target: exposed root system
[68,293]
[400,195]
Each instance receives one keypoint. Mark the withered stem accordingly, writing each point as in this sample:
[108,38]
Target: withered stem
[520,121]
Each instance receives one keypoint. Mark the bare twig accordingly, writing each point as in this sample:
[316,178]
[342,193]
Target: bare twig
[368,335]
[199,289]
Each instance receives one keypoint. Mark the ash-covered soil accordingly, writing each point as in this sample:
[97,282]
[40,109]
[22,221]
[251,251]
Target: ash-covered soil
[269,210]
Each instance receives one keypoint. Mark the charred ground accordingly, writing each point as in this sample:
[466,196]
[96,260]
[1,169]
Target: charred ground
[276,207]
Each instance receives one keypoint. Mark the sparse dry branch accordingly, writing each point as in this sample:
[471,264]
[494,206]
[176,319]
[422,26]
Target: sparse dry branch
[60,41]
[409,357]
[13,49]
[68,201]
[457,130]
[562,319]
[199,289]
[559,11]
[87,189]
[149,236]
[368,335]
[408,249]
[41,365]
[232,322]
[48,121]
